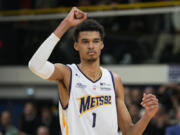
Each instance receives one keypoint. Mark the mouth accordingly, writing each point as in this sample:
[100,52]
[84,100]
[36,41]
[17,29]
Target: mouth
[91,53]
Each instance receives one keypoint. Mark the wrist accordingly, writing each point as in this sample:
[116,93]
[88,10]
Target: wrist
[62,28]
[147,116]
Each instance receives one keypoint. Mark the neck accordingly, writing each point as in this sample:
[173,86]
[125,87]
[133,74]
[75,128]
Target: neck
[91,69]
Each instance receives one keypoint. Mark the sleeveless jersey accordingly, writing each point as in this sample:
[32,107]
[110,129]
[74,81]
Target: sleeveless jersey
[92,105]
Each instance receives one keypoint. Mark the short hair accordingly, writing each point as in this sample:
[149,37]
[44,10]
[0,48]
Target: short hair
[88,25]
[42,127]
[5,111]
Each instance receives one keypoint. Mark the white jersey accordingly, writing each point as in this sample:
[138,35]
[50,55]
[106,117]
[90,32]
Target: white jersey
[92,105]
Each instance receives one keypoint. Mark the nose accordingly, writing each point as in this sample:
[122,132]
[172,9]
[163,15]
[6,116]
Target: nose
[91,45]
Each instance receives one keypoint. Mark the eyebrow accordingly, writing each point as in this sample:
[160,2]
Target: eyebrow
[85,39]
[97,39]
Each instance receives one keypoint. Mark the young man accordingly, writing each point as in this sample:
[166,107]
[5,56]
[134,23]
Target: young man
[91,97]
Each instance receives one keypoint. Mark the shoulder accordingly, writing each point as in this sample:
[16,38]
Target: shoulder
[12,128]
[117,81]
[172,128]
[1,128]
[116,78]
[62,67]
[61,72]
[118,87]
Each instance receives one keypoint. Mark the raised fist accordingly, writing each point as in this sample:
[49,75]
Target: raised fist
[75,17]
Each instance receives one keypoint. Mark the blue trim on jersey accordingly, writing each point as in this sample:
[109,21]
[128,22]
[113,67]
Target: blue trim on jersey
[64,108]
[88,77]
[113,81]
[70,82]
[114,88]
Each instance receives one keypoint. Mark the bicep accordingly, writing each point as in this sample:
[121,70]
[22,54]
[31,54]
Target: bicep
[59,72]
[124,119]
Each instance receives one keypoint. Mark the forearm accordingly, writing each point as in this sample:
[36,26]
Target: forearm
[38,63]
[140,126]
[46,48]
[61,29]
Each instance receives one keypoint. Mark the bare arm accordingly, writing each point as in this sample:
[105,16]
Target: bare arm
[124,120]
[39,63]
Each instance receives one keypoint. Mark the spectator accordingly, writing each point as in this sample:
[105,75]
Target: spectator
[174,129]
[134,112]
[149,90]
[169,96]
[168,45]
[50,121]
[136,96]
[127,96]
[6,127]
[158,124]
[84,3]
[43,130]
[28,120]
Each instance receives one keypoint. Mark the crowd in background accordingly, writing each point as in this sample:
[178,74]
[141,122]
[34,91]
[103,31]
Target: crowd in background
[167,119]
[129,40]
[165,122]
[151,39]
[21,4]
[30,122]
[136,39]
[169,111]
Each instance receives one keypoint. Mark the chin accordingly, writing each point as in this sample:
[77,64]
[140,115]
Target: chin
[92,60]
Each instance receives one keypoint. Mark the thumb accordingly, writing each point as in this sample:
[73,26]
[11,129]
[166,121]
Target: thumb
[82,19]
[71,13]
[85,16]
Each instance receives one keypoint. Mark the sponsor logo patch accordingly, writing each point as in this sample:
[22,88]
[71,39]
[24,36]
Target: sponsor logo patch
[80,85]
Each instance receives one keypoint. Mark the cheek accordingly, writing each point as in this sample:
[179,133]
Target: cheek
[99,49]
[82,51]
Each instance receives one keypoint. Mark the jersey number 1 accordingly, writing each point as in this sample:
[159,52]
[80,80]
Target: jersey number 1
[94,120]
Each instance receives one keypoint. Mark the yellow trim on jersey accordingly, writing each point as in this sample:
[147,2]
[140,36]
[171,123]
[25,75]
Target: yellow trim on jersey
[63,119]
[65,123]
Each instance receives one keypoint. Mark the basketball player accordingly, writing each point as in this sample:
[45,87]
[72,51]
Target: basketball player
[91,97]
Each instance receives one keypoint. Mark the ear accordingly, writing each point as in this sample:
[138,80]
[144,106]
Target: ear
[76,46]
[102,45]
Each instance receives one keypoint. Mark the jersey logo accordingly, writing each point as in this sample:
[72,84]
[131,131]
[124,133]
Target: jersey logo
[89,102]
[80,85]
[105,86]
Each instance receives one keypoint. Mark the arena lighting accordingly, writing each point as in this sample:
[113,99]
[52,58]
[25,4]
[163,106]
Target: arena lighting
[98,14]
[30,91]
[93,11]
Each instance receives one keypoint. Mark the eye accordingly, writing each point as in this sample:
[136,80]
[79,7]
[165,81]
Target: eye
[96,41]
[85,41]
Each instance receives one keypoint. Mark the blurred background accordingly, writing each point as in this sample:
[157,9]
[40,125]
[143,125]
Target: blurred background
[142,45]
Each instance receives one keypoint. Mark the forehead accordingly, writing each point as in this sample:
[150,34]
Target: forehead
[89,35]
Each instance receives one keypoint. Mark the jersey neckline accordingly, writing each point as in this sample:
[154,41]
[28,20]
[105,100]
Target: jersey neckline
[87,76]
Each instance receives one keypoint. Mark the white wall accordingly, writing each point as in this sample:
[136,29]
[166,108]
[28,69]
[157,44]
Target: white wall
[14,81]
[138,74]
[144,74]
